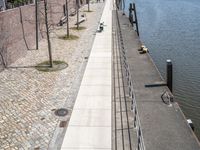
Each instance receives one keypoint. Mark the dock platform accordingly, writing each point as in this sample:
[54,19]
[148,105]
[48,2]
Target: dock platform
[163,126]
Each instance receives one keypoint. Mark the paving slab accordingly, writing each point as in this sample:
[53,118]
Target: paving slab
[84,149]
[99,60]
[95,90]
[91,118]
[87,137]
[98,72]
[97,49]
[97,80]
[98,65]
[93,102]
[101,54]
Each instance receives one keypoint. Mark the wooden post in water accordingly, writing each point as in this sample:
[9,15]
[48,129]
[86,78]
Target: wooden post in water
[170,75]
[131,14]
[120,4]
[136,21]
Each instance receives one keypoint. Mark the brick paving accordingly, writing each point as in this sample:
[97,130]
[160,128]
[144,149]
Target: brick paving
[28,98]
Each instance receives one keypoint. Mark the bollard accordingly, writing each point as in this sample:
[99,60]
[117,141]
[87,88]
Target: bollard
[170,75]
[136,21]
[131,14]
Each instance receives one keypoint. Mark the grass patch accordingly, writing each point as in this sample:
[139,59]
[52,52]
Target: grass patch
[80,28]
[71,37]
[88,11]
[57,65]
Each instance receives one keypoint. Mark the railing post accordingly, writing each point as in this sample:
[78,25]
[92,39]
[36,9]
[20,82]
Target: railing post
[170,75]
[130,88]
[138,143]
[134,121]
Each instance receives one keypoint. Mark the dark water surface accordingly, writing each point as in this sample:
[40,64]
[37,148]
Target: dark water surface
[171,30]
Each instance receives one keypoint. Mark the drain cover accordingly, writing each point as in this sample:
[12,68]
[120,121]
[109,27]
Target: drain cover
[63,124]
[61,112]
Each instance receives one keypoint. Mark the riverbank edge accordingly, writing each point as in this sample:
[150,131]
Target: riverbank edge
[175,104]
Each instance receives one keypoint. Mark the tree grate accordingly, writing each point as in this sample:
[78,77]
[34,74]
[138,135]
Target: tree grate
[61,112]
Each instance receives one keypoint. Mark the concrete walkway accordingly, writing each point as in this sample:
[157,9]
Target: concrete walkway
[90,123]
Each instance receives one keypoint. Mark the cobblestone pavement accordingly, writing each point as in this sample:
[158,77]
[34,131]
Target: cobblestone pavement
[28,98]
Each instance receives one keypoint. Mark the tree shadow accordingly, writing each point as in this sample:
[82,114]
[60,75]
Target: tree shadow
[26,67]
[22,25]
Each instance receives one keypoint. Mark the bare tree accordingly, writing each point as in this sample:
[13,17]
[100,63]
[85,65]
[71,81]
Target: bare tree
[46,21]
[48,33]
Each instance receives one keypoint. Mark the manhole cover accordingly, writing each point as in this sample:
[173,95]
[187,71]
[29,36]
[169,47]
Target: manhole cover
[61,112]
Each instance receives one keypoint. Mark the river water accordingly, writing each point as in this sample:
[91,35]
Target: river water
[171,30]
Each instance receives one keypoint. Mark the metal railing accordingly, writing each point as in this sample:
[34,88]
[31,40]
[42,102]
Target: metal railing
[137,124]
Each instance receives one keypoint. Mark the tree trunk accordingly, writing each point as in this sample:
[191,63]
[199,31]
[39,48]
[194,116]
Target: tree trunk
[36,23]
[47,32]
[77,11]
[88,1]
[67,15]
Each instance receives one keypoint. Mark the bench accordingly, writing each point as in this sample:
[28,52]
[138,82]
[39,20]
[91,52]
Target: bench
[62,21]
[81,20]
